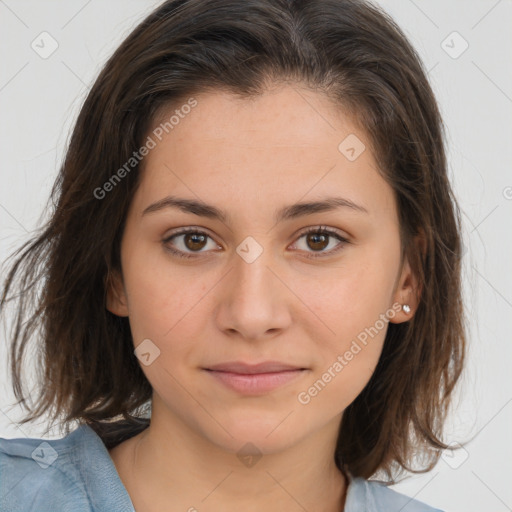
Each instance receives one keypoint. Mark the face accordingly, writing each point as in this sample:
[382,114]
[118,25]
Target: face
[255,280]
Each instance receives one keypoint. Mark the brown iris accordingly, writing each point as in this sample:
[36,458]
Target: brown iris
[194,241]
[318,241]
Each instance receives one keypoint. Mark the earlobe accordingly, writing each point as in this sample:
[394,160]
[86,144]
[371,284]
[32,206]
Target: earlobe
[408,290]
[406,296]
[116,301]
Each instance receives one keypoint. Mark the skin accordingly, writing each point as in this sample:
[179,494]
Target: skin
[251,157]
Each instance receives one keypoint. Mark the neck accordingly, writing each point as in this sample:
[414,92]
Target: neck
[167,467]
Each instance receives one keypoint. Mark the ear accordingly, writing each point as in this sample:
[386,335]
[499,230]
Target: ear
[116,299]
[408,288]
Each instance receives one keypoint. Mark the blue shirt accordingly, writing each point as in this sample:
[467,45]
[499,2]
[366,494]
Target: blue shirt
[77,474]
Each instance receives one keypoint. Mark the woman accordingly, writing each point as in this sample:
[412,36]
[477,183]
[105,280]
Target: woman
[251,279]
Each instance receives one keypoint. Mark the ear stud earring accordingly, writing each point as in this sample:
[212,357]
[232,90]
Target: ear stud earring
[406,308]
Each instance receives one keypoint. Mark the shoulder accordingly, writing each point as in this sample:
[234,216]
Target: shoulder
[376,496]
[47,475]
[38,474]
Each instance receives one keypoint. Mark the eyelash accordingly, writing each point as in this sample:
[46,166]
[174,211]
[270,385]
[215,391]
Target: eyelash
[317,230]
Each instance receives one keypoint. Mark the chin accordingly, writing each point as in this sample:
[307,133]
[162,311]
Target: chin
[268,434]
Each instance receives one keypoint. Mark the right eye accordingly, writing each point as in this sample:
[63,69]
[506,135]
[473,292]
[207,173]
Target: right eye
[189,239]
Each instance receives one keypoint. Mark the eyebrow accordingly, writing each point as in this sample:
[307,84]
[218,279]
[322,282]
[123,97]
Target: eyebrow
[293,211]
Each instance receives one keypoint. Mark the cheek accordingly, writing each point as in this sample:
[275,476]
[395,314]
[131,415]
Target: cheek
[348,301]
[161,298]
[339,384]
[346,359]
[353,304]
[168,311]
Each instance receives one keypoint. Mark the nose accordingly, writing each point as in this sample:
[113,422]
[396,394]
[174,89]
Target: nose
[253,301]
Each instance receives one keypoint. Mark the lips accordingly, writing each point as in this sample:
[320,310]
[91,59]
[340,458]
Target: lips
[251,369]
[255,379]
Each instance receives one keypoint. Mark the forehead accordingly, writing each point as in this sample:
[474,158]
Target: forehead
[288,142]
[293,113]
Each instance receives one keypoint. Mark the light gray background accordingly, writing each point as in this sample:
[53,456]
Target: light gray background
[40,98]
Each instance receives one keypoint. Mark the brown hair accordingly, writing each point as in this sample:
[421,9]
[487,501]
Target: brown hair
[352,52]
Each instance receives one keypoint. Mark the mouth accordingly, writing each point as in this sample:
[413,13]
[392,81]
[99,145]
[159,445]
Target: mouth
[255,379]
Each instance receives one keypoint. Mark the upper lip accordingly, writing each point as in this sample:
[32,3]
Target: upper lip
[249,369]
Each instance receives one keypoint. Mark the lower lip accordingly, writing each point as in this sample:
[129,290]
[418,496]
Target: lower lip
[257,383]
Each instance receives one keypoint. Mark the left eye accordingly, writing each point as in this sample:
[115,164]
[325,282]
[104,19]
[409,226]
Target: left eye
[317,239]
